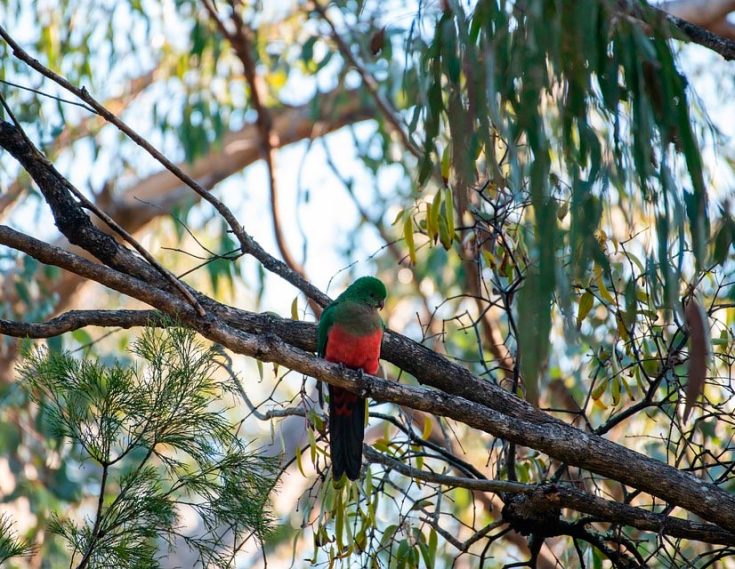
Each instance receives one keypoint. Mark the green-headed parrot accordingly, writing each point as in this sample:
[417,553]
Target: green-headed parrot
[350,332]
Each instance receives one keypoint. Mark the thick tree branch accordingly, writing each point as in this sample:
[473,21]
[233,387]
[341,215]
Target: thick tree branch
[620,463]
[702,36]
[18,144]
[554,438]
[569,497]
[159,193]
[68,214]
[116,280]
[463,397]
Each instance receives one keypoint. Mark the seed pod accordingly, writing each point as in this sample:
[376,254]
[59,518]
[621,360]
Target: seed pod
[377,41]
[698,350]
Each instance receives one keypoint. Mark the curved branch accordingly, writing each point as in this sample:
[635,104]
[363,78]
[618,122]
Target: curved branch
[77,319]
[569,497]
[464,397]
[697,34]
[241,40]
[116,280]
[247,243]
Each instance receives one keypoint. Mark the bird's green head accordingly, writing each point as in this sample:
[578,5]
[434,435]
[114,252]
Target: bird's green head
[366,290]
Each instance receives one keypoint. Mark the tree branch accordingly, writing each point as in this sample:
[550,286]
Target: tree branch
[464,397]
[370,83]
[71,134]
[20,146]
[241,41]
[77,319]
[637,470]
[572,498]
[247,243]
[102,274]
[697,34]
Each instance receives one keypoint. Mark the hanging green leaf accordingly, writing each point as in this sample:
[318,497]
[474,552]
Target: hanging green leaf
[585,305]
[408,237]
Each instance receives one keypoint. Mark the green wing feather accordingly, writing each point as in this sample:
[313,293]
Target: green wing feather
[325,323]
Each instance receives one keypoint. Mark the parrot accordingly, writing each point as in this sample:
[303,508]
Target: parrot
[350,332]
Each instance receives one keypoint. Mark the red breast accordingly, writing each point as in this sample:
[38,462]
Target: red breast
[356,352]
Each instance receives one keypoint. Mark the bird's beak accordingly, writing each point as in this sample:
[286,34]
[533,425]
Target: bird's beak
[381,304]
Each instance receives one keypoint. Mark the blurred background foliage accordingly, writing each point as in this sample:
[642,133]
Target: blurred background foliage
[544,186]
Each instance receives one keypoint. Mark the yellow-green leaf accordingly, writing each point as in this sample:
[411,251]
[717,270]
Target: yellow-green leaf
[339,520]
[426,433]
[408,236]
[449,205]
[434,214]
[615,389]
[622,328]
[432,226]
[585,305]
[604,293]
[299,464]
[599,390]
[295,308]
[312,444]
[446,162]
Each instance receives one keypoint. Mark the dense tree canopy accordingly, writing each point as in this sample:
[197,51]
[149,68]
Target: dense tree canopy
[543,186]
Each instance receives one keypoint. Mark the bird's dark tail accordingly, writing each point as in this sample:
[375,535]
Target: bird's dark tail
[346,432]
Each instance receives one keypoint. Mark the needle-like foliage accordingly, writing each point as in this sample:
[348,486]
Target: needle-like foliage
[10,544]
[162,443]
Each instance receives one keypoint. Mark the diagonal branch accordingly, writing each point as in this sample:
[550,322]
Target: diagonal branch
[262,342]
[116,280]
[247,243]
[569,497]
[697,34]
[241,40]
[370,83]
[456,393]
[72,133]
[702,36]
[70,218]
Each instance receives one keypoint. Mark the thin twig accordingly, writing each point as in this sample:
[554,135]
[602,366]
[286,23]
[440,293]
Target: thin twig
[370,83]
[111,223]
[567,497]
[247,243]
[241,41]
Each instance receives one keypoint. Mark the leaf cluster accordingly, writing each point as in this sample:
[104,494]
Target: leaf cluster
[162,443]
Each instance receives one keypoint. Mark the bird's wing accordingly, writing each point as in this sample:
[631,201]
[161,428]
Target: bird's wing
[325,323]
